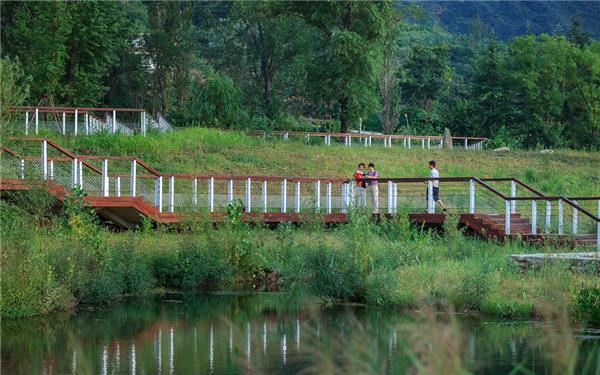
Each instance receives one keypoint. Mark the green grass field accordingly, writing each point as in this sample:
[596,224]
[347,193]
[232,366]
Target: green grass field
[564,172]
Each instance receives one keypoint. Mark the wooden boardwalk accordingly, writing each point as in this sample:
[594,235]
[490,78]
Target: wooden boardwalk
[123,190]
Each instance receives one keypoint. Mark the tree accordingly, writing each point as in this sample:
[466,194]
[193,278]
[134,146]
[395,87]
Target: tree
[345,66]
[389,82]
[577,35]
[169,44]
[14,87]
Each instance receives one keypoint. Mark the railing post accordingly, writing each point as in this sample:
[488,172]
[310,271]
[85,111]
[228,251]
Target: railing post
[265,197]
[143,125]
[390,197]
[533,217]
[560,217]
[284,196]
[195,193]
[395,195]
[74,174]
[44,160]
[428,143]
[51,169]
[64,123]
[598,228]
[133,177]
[248,195]
[471,196]
[105,186]
[211,194]
[513,194]
[548,216]
[423,143]
[37,120]
[507,217]
[80,171]
[22,169]
[344,197]
[575,219]
[75,124]
[350,140]
[26,122]
[328,197]
[404,142]
[229,191]
[118,187]
[86,122]
[159,193]
[466,144]
[430,202]
[408,142]
[318,196]
[114,122]
[297,198]
[171,193]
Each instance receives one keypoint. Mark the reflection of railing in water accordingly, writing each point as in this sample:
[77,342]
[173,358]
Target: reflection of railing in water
[511,205]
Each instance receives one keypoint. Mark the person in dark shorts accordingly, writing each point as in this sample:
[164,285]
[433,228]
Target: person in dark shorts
[434,173]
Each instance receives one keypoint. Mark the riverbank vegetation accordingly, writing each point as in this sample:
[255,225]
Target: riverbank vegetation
[383,66]
[54,263]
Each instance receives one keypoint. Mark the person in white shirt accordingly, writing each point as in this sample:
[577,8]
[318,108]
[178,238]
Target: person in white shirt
[434,173]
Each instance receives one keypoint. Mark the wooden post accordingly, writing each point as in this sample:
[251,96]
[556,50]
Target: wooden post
[44,160]
[248,195]
[105,185]
[507,217]
[211,194]
[533,217]
[171,193]
[265,197]
[471,196]
[133,184]
[284,196]
[318,196]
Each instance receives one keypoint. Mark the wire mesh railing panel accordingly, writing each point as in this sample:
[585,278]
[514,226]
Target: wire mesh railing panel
[10,167]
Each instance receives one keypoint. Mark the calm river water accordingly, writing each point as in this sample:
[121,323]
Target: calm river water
[229,334]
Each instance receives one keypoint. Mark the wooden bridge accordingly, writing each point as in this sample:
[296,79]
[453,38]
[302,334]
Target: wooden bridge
[123,190]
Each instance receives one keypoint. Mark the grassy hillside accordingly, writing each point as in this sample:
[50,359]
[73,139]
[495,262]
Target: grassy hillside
[206,150]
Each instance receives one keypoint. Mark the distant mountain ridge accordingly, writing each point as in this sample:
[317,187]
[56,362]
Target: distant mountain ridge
[511,18]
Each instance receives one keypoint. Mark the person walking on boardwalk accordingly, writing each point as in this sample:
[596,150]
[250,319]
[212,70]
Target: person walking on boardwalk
[360,186]
[373,187]
[434,173]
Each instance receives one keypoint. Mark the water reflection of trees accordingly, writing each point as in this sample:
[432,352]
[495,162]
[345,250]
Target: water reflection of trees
[267,333]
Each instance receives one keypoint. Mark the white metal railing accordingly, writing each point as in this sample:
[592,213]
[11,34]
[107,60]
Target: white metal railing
[524,210]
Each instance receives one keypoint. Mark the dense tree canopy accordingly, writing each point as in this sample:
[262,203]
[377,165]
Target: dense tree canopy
[308,65]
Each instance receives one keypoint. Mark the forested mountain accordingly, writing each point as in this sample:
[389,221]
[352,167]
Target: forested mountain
[322,65]
[511,18]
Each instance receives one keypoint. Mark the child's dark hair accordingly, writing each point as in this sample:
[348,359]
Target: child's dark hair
[361,165]
[432,163]
[371,165]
